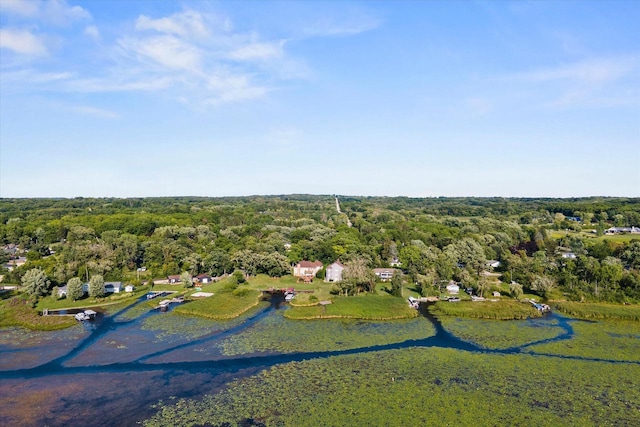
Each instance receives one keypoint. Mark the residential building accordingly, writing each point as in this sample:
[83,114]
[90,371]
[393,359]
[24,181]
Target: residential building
[384,274]
[334,272]
[307,268]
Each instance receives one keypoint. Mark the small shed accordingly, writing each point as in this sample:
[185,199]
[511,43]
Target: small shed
[495,293]
[129,288]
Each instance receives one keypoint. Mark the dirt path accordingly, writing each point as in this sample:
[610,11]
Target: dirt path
[339,211]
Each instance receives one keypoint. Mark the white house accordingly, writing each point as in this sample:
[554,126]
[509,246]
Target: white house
[203,278]
[384,274]
[113,287]
[307,268]
[453,288]
[334,272]
[129,288]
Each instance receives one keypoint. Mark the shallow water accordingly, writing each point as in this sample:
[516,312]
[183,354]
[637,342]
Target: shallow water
[112,370]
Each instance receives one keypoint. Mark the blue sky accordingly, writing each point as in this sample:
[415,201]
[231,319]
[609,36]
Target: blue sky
[417,98]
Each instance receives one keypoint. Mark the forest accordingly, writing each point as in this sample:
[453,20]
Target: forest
[583,249]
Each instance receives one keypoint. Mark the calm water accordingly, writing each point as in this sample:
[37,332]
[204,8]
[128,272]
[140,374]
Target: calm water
[112,370]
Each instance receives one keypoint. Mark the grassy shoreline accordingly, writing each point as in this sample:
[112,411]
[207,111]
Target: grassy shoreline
[363,307]
[498,310]
[598,310]
[222,306]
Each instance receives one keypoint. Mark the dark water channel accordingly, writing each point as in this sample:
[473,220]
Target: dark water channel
[111,371]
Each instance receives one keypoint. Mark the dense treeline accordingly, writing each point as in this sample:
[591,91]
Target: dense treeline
[435,239]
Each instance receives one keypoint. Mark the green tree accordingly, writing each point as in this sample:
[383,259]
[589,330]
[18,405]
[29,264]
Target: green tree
[35,282]
[358,273]
[238,277]
[186,279]
[516,290]
[74,289]
[396,283]
[96,286]
[544,285]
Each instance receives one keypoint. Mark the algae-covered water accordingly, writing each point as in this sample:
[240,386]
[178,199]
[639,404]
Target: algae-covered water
[116,370]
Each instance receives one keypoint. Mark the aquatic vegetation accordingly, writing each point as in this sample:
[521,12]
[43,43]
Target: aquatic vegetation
[599,311]
[173,325]
[367,306]
[498,310]
[221,306]
[608,340]
[501,334]
[417,386]
[277,334]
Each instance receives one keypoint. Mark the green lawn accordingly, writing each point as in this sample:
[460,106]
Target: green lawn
[17,311]
[366,306]
[499,310]
[53,303]
[556,234]
[222,305]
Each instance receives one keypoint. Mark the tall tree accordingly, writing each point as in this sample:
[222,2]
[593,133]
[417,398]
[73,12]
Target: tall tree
[35,282]
[74,289]
[396,283]
[96,286]
[358,273]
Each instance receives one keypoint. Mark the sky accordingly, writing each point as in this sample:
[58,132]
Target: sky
[374,98]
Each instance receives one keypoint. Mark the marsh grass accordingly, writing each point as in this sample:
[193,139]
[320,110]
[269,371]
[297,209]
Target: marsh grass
[498,310]
[500,334]
[607,339]
[277,334]
[366,306]
[599,311]
[425,387]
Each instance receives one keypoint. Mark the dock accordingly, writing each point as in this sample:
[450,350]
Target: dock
[164,304]
[156,294]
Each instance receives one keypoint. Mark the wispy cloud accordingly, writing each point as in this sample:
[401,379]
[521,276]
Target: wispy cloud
[187,24]
[258,51]
[164,50]
[194,57]
[93,32]
[22,42]
[593,82]
[21,7]
[592,71]
[56,12]
[95,112]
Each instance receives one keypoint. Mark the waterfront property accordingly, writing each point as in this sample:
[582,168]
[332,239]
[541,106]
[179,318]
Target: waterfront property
[334,272]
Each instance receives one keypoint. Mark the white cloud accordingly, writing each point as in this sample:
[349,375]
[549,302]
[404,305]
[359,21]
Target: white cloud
[22,42]
[60,13]
[348,25]
[57,12]
[591,71]
[92,31]
[185,24]
[21,7]
[226,87]
[259,51]
[594,82]
[165,50]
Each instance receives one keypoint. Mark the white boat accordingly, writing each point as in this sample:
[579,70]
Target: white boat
[288,297]
[164,303]
[90,314]
[82,317]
